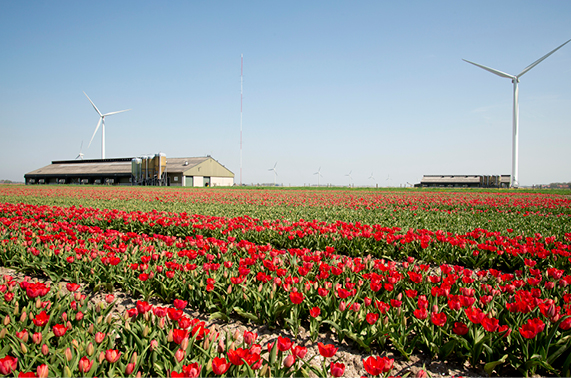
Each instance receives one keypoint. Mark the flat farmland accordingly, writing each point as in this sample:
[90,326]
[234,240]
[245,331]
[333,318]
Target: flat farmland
[476,277]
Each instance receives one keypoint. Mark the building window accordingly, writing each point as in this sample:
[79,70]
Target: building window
[175,178]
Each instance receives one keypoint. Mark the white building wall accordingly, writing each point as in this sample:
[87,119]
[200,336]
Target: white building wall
[221,181]
[197,181]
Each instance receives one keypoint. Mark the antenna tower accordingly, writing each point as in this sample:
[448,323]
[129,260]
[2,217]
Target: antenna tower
[241,96]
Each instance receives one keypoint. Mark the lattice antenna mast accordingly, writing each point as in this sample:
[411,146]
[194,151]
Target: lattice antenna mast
[241,97]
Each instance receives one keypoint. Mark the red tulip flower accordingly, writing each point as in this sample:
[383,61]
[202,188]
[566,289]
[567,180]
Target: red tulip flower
[235,356]
[180,304]
[337,369]
[112,355]
[372,318]
[490,324]
[42,371]
[460,329]
[178,335]
[284,344]
[85,364]
[314,312]
[438,318]
[72,287]
[420,313]
[8,364]
[299,351]
[143,307]
[296,298]
[328,350]
[378,365]
[59,330]
[220,365]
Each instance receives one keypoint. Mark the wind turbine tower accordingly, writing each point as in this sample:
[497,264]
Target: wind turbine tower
[514,179]
[350,178]
[102,124]
[275,172]
[318,173]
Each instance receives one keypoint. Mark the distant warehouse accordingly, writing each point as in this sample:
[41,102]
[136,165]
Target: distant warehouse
[146,170]
[465,181]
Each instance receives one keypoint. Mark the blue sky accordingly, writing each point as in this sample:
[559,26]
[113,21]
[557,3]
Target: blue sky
[367,87]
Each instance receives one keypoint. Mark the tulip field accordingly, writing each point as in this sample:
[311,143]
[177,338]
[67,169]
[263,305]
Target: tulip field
[474,277]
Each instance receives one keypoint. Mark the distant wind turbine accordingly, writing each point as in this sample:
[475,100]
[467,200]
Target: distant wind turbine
[514,180]
[388,180]
[275,172]
[101,122]
[350,178]
[80,156]
[318,173]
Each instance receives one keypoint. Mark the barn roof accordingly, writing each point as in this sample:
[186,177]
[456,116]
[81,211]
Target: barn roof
[122,166]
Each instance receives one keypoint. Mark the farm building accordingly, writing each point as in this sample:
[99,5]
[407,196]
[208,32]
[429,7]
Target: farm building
[466,181]
[157,170]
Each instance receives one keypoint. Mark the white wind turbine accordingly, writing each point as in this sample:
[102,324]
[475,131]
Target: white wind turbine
[80,156]
[350,178]
[514,180]
[318,173]
[275,172]
[371,177]
[101,122]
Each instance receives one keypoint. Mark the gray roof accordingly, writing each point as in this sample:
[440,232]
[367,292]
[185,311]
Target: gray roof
[175,165]
[116,167]
[85,167]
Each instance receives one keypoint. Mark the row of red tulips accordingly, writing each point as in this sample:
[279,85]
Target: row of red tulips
[478,248]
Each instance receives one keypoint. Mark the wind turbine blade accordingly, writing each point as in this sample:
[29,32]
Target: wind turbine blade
[94,107]
[95,132]
[120,111]
[492,70]
[540,60]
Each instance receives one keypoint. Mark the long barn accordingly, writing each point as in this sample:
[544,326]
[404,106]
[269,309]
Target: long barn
[185,171]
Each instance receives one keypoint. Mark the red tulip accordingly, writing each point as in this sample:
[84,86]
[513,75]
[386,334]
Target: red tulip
[72,287]
[420,313]
[299,351]
[328,350]
[180,304]
[314,312]
[284,344]
[29,374]
[296,297]
[289,361]
[377,366]
[337,369]
[42,371]
[220,365]
[8,364]
[59,330]
[460,329]
[372,318]
[85,364]
[143,307]
[438,318]
[490,324]
[236,356]
[41,319]
[112,355]
[179,335]
[250,337]
[99,337]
